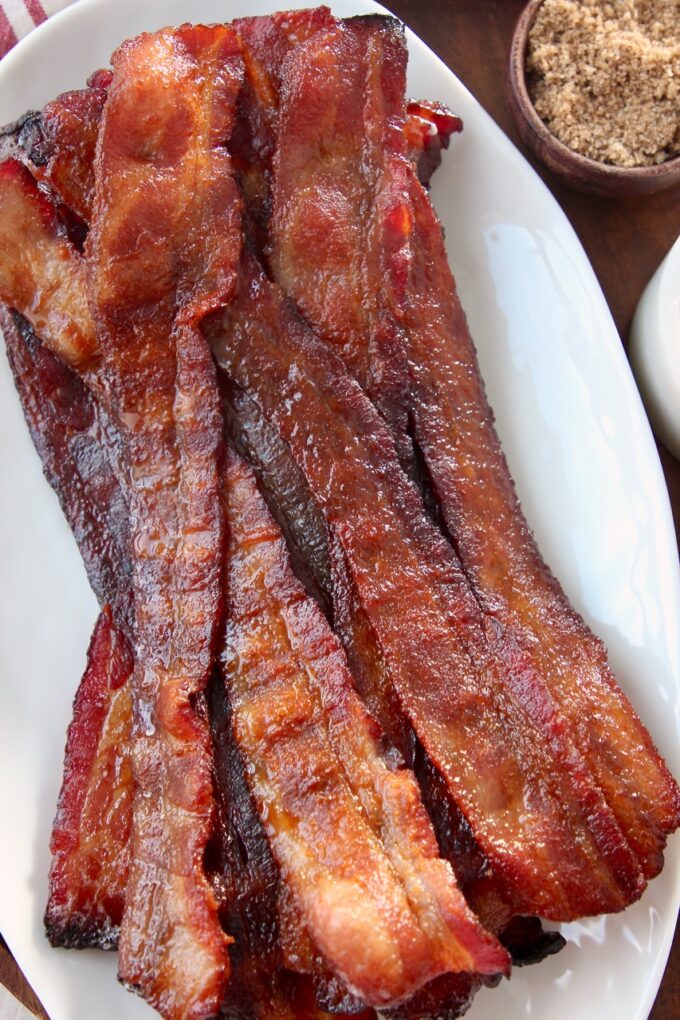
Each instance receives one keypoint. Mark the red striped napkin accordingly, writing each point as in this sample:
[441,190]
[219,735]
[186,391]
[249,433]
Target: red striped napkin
[19,17]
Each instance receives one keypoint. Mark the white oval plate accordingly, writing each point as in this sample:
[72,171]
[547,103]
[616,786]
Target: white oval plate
[579,447]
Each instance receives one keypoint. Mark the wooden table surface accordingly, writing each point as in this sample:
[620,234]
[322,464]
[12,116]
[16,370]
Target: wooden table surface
[625,241]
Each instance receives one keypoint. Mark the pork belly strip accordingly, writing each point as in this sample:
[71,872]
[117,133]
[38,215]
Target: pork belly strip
[40,271]
[163,248]
[430,362]
[415,643]
[89,842]
[81,457]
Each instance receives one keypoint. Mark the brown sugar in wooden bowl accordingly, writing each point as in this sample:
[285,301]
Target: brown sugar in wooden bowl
[573,168]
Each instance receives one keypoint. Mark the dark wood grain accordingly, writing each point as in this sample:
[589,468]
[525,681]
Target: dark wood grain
[625,240]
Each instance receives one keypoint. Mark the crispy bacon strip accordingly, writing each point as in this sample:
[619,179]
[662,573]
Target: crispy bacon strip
[412,341]
[350,834]
[415,641]
[81,456]
[69,126]
[164,246]
[41,274]
[89,843]
[503,564]
[267,42]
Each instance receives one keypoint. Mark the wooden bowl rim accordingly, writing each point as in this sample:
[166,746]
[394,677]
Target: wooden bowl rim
[585,164]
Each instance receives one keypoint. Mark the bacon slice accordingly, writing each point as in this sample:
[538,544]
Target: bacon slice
[69,127]
[81,458]
[41,273]
[89,844]
[415,641]
[267,41]
[411,350]
[503,563]
[164,247]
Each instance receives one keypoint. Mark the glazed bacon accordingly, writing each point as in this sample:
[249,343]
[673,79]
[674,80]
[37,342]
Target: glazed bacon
[90,837]
[69,128]
[411,351]
[510,580]
[458,689]
[416,646]
[81,457]
[163,249]
[40,271]
[267,41]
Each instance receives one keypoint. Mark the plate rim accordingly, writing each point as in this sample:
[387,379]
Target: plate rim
[75,11]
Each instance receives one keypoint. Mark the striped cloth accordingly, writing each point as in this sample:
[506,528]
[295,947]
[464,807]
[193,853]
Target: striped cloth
[19,17]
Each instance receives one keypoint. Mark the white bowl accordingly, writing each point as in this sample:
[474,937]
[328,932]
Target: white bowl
[655,350]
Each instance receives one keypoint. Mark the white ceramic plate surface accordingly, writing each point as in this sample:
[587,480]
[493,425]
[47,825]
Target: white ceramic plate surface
[579,447]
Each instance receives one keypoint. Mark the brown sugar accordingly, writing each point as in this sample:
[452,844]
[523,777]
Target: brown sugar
[604,76]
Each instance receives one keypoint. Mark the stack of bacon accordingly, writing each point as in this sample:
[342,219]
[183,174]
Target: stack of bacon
[225,283]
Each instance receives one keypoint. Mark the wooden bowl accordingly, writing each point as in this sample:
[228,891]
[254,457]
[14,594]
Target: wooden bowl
[573,168]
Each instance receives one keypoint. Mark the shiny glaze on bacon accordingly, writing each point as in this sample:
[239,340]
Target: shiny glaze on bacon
[41,274]
[267,41]
[416,645]
[70,125]
[430,363]
[250,892]
[164,245]
[57,144]
[345,212]
[349,832]
[63,154]
[90,837]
